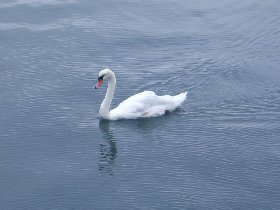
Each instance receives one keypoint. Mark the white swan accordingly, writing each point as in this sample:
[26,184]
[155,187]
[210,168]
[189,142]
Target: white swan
[144,104]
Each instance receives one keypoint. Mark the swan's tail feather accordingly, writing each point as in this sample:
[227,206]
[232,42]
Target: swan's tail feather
[180,98]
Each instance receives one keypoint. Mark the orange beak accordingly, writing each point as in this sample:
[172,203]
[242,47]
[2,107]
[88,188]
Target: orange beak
[99,83]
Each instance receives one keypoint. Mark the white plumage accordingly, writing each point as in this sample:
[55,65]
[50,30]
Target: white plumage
[144,104]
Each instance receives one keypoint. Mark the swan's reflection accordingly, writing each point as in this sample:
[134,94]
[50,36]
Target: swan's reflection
[108,149]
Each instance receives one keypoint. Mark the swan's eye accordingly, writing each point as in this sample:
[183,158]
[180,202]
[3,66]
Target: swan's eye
[101,77]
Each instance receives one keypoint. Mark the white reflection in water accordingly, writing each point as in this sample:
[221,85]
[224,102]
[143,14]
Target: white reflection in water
[108,149]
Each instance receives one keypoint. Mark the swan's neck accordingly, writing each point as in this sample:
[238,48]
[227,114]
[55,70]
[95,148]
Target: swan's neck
[104,111]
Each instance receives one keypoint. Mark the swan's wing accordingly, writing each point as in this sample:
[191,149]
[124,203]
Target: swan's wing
[146,104]
[134,106]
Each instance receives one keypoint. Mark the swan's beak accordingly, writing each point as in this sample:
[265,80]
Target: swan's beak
[99,83]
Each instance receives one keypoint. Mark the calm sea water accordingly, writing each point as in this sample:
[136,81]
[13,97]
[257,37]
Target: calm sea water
[220,150]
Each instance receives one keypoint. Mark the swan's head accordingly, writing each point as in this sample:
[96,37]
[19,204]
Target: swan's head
[103,75]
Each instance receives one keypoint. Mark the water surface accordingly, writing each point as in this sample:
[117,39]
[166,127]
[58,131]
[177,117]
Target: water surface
[220,150]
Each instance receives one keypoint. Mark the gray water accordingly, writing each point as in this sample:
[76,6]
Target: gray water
[220,150]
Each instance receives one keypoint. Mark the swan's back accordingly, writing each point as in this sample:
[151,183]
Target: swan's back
[146,104]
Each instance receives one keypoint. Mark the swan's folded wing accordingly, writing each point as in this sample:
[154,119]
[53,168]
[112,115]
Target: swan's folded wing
[146,104]
[134,106]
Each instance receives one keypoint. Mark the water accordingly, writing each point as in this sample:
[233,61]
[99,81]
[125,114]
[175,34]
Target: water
[220,150]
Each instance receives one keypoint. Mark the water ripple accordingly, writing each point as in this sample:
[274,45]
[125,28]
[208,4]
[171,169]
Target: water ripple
[34,3]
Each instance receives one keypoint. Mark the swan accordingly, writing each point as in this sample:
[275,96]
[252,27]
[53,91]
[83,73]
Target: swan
[144,104]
